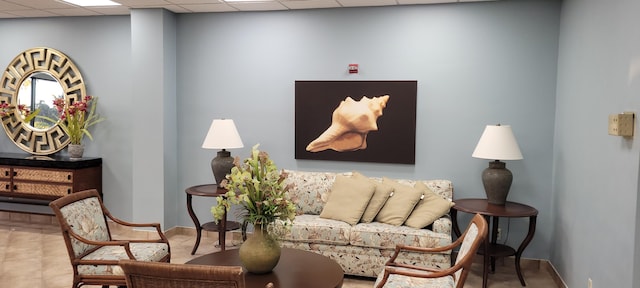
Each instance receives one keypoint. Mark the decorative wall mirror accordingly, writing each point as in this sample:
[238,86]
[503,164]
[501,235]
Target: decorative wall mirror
[35,78]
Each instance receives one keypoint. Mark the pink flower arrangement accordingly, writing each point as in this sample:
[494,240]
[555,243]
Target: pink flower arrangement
[6,109]
[76,118]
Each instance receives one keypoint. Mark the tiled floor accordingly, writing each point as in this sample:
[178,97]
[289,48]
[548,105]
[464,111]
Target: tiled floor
[33,254]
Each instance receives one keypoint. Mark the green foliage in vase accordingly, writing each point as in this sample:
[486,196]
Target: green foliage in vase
[258,187]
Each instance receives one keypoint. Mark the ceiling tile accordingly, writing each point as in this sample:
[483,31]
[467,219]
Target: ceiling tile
[6,15]
[8,6]
[111,10]
[257,6]
[42,4]
[33,13]
[50,8]
[74,12]
[180,2]
[310,4]
[360,3]
[176,9]
[147,3]
[209,8]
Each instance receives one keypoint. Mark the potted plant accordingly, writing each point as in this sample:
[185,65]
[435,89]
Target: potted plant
[75,120]
[258,187]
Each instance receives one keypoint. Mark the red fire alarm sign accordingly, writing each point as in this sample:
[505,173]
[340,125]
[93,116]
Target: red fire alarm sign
[353,68]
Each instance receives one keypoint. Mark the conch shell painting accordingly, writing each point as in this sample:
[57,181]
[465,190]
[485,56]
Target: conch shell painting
[350,124]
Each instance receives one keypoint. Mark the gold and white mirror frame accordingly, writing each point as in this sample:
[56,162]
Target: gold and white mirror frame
[34,60]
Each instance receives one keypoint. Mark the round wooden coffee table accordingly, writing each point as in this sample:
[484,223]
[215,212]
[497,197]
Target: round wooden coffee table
[295,269]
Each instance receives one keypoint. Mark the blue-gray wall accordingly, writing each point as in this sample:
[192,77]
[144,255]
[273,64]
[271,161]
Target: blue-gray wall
[101,48]
[476,64]
[161,78]
[595,202]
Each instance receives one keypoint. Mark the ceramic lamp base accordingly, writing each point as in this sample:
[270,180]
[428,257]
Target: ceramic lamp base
[497,182]
[221,165]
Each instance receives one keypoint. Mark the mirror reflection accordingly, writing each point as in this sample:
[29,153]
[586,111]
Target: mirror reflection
[31,82]
[38,92]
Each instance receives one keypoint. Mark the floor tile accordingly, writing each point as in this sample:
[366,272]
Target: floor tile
[34,255]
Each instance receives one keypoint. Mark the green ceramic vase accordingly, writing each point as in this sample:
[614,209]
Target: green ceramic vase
[260,253]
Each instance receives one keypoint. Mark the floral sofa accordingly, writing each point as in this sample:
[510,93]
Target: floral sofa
[361,249]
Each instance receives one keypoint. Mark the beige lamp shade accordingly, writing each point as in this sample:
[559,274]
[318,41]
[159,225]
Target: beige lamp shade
[498,143]
[222,135]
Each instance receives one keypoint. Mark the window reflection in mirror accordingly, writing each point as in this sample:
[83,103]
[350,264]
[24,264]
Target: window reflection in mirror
[38,92]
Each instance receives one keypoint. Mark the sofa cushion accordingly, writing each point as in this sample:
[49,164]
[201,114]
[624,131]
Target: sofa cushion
[379,198]
[309,190]
[348,199]
[428,209]
[368,262]
[313,229]
[386,236]
[398,207]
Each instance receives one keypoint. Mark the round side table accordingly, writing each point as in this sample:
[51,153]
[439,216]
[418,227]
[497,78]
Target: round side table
[492,249]
[209,190]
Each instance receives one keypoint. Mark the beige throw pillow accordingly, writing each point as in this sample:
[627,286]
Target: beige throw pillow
[380,196]
[348,199]
[429,209]
[398,207]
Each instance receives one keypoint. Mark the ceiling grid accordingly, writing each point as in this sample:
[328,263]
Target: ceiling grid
[58,8]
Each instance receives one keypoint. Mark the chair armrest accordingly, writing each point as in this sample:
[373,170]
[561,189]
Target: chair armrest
[163,238]
[418,271]
[123,243]
[92,242]
[401,247]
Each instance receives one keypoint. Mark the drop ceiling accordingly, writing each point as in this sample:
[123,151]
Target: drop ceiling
[57,8]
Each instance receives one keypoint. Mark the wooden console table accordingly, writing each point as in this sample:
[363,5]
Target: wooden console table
[28,179]
[492,249]
[209,190]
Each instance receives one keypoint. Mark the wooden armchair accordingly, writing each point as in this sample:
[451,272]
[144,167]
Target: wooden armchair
[170,275]
[405,275]
[94,253]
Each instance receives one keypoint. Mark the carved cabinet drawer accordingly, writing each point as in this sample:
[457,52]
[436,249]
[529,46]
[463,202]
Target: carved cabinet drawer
[5,186]
[5,172]
[42,175]
[42,189]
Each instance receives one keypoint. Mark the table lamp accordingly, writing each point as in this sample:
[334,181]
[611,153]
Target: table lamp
[222,135]
[497,142]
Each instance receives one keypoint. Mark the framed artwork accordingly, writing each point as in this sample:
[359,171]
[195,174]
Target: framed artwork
[362,121]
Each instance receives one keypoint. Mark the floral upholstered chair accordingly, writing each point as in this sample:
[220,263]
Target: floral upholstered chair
[396,275]
[94,253]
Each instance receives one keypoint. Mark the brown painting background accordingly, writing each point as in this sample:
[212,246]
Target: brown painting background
[394,142]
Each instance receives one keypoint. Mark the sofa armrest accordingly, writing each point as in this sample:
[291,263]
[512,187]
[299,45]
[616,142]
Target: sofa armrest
[443,225]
